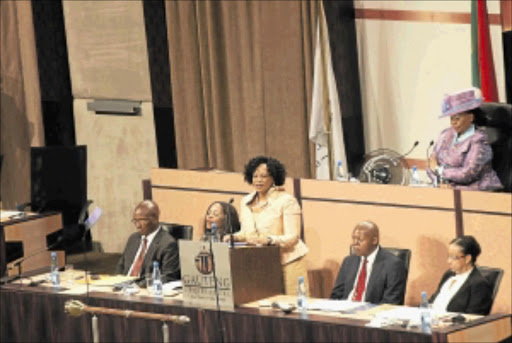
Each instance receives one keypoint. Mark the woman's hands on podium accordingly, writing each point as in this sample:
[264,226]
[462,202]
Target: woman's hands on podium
[257,240]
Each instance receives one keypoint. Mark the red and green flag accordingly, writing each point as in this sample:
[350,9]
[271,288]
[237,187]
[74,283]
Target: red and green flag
[482,63]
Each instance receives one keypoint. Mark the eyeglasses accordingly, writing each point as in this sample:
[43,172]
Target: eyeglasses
[137,220]
[454,258]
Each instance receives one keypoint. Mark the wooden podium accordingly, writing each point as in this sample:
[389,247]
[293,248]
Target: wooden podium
[244,274]
[31,231]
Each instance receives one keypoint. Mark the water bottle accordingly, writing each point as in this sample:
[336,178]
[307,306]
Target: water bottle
[54,271]
[157,280]
[302,295]
[415,180]
[426,325]
[340,175]
[215,237]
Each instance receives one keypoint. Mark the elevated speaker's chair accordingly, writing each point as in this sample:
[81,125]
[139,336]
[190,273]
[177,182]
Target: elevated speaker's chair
[493,276]
[179,231]
[496,120]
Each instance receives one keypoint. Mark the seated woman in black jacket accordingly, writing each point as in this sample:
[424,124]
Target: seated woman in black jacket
[462,288]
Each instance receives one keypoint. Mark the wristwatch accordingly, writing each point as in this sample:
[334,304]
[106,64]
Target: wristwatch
[270,241]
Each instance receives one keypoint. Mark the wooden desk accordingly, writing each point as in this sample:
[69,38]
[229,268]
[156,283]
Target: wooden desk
[31,231]
[29,321]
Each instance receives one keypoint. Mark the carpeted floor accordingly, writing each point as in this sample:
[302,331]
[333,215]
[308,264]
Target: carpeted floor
[96,262]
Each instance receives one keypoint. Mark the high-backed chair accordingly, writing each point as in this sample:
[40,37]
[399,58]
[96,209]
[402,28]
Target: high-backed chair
[493,276]
[179,231]
[496,120]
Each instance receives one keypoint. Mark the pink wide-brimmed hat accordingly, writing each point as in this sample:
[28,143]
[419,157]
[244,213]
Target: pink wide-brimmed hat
[462,101]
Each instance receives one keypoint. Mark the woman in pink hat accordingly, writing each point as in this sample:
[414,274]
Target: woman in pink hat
[462,156]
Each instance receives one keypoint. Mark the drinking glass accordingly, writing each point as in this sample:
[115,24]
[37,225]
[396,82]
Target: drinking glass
[149,284]
[70,273]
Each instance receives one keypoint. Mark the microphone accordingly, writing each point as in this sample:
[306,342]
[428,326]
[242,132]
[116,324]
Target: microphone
[18,262]
[411,150]
[89,223]
[428,152]
[230,226]
[436,180]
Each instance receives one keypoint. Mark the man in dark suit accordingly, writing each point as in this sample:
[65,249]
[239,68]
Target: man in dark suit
[150,243]
[371,274]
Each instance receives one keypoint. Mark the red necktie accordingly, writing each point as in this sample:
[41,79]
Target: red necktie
[361,283]
[138,262]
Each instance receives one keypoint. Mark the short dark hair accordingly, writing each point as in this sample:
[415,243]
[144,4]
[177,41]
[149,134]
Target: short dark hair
[469,246]
[230,214]
[275,168]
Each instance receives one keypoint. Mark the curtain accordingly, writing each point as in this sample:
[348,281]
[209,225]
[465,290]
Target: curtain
[20,105]
[241,74]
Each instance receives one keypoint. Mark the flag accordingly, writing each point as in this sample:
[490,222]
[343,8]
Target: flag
[482,62]
[325,129]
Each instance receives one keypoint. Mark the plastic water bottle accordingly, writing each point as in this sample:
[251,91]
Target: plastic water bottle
[340,175]
[415,179]
[54,271]
[426,323]
[215,237]
[302,295]
[157,280]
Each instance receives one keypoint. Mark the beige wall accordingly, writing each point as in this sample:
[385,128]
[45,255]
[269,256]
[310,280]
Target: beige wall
[120,151]
[20,103]
[406,67]
[108,60]
[107,49]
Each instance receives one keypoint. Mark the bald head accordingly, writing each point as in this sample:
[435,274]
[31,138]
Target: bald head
[150,207]
[365,238]
[146,217]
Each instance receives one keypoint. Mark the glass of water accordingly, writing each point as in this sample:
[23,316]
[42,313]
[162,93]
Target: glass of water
[70,273]
[149,284]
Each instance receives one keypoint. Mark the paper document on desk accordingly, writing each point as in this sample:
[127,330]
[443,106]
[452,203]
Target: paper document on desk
[335,305]
[173,285]
[82,289]
[412,314]
[105,280]
[4,215]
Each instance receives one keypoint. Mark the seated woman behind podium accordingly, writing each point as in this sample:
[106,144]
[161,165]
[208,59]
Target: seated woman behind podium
[225,218]
[463,288]
[270,216]
[462,155]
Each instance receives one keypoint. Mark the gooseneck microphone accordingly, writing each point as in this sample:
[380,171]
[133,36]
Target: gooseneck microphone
[436,180]
[230,225]
[428,152]
[411,150]
[19,262]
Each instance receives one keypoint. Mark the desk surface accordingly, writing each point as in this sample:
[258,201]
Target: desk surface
[37,314]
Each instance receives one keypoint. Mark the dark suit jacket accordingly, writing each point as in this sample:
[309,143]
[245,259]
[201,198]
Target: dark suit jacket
[163,249]
[474,296]
[386,283]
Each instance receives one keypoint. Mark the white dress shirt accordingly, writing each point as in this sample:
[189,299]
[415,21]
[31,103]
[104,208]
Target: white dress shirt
[149,239]
[369,265]
[449,289]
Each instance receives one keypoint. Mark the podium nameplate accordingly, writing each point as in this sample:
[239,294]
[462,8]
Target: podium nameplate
[243,274]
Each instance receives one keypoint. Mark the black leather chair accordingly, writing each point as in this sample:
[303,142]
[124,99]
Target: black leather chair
[493,276]
[179,231]
[496,120]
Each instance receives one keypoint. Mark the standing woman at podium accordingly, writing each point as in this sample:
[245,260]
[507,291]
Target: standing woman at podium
[270,216]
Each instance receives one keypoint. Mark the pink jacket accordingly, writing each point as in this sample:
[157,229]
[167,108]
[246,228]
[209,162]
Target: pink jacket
[467,164]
